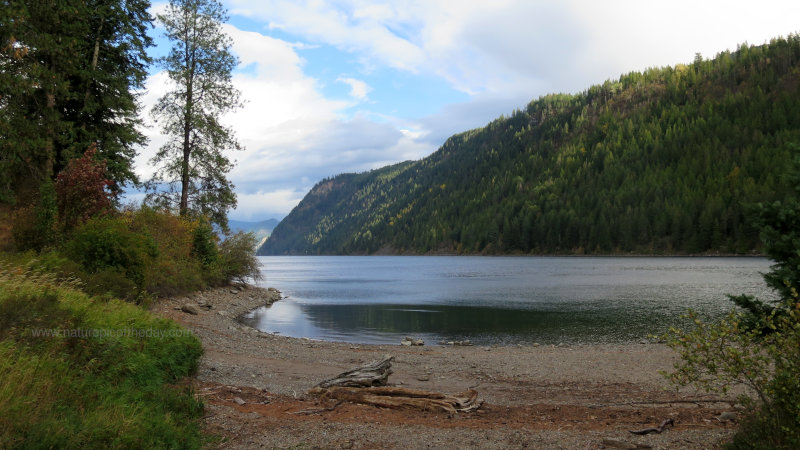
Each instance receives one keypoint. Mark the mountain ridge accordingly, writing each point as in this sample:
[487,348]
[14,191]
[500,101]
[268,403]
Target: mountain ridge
[663,161]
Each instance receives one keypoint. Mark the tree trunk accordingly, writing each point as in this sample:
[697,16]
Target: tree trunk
[187,131]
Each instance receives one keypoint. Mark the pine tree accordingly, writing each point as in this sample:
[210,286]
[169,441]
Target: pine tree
[68,70]
[192,172]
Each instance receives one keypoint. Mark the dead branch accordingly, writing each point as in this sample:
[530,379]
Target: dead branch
[659,429]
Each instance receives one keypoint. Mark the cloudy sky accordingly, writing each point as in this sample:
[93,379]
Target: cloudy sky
[335,86]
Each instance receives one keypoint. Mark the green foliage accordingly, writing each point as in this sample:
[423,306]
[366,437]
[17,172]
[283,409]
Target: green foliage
[658,162]
[716,356]
[98,374]
[192,168]
[34,228]
[759,348]
[146,252]
[204,244]
[237,257]
[176,269]
[111,254]
[67,72]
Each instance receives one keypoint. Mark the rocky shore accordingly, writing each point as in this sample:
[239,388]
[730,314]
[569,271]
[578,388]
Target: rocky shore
[586,396]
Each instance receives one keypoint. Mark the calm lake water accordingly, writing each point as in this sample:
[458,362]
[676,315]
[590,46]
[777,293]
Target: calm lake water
[497,300]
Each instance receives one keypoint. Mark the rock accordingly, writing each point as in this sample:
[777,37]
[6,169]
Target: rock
[234,291]
[222,313]
[407,341]
[423,378]
[727,416]
[190,308]
[239,401]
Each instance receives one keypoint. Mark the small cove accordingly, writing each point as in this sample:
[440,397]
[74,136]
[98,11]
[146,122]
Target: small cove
[497,300]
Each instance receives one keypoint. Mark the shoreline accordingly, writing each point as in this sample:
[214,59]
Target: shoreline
[571,396]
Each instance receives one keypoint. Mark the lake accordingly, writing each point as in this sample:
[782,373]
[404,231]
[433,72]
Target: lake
[497,300]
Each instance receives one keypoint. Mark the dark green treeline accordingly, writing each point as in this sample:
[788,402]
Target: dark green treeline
[660,162]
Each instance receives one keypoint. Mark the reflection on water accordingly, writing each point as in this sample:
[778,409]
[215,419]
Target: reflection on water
[496,300]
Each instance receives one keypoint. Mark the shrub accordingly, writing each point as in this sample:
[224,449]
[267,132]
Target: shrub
[110,252]
[82,190]
[237,257]
[34,227]
[175,270]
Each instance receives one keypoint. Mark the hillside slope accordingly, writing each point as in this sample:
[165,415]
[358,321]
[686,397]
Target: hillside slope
[664,161]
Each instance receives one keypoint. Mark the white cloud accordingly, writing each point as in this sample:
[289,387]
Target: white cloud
[293,135]
[527,45]
[253,206]
[358,88]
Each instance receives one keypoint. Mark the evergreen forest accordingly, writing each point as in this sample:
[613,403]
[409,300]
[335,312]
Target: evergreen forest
[665,161]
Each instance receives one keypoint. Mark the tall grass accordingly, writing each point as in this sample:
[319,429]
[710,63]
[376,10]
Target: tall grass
[79,371]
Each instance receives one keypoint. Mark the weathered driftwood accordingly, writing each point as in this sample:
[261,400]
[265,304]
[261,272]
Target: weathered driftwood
[372,374]
[367,385]
[397,397]
[658,429]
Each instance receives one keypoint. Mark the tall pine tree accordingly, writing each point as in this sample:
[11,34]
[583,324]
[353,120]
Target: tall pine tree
[192,168]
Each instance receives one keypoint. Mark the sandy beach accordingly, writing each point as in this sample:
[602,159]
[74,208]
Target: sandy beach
[572,397]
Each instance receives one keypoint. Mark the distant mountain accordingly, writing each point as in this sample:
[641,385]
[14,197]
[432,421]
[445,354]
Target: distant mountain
[261,229]
[665,161]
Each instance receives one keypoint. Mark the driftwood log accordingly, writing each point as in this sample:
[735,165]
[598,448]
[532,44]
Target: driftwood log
[397,397]
[372,374]
[366,384]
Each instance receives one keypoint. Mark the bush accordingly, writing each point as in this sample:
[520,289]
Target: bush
[82,190]
[34,227]
[110,253]
[237,257]
[175,270]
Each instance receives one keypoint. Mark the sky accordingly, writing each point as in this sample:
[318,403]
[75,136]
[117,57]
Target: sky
[336,86]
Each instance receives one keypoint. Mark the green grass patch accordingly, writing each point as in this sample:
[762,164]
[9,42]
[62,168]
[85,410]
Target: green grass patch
[79,371]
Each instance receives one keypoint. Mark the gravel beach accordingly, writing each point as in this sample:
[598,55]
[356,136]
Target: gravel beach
[572,397]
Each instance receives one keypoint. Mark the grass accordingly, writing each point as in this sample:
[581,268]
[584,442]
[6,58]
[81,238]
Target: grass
[89,372]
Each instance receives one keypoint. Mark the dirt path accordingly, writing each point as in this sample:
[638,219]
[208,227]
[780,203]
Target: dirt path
[585,397]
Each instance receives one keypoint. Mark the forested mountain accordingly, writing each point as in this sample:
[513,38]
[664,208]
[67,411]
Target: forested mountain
[663,161]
